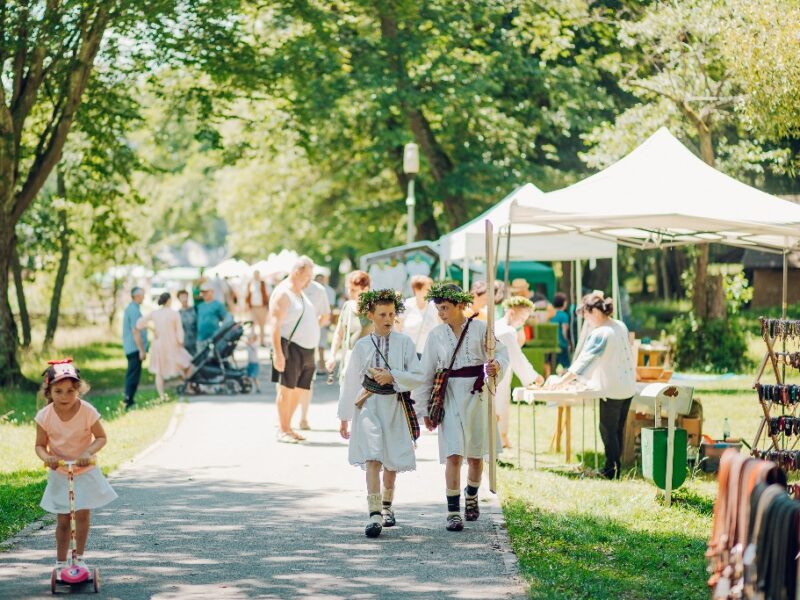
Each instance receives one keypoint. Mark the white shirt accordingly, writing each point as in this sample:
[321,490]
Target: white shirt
[417,324]
[256,298]
[307,333]
[516,359]
[606,361]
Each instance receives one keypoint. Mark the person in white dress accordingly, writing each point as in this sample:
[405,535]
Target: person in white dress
[518,310]
[382,369]
[350,327]
[464,429]
[420,316]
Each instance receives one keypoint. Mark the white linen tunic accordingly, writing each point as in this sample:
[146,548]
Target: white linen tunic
[518,363]
[464,431]
[379,430]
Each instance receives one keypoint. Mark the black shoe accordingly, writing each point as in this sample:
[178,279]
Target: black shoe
[454,523]
[471,509]
[373,530]
[388,517]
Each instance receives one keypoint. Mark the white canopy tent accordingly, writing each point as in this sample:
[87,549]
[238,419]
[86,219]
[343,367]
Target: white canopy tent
[468,241]
[521,242]
[662,195]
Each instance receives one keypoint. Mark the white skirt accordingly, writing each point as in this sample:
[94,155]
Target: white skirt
[380,433]
[91,491]
[464,431]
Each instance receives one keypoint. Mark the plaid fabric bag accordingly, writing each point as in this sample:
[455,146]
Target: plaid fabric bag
[411,415]
[436,401]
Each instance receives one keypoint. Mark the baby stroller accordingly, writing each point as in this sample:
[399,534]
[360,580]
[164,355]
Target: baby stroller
[215,370]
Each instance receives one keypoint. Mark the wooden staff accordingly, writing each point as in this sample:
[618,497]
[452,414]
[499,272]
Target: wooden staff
[491,382]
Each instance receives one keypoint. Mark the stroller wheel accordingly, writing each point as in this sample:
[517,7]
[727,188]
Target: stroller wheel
[231,387]
[181,390]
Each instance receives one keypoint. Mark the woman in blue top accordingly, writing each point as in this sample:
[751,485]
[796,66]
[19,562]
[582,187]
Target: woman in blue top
[606,363]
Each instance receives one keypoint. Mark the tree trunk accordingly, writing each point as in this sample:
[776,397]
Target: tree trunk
[116,286]
[666,290]
[715,298]
[438,160]
[565,285]
[63,265]
[598,278]
[24,317]
[701,263]
[699,300]
[10,373]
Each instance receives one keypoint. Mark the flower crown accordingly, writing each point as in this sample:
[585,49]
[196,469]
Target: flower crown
[445,291]
[370,299]
[517,302]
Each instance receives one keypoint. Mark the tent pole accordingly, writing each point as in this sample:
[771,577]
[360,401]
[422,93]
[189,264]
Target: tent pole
[579,291]
[615,284]
[465,273]
[785,291]
[785,297]
[507,266]
[442,269]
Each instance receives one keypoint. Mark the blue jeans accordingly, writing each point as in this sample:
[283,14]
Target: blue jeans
[132,377]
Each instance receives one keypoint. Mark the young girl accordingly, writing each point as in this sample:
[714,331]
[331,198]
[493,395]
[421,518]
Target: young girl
[464,429]
[374,395]
[69,428]
[252,359]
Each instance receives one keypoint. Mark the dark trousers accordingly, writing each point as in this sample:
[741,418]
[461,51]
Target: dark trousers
[612,430]
[132,376]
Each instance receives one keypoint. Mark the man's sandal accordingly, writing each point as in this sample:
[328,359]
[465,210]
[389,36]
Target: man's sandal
[454,523]
[373,530]
[471,509]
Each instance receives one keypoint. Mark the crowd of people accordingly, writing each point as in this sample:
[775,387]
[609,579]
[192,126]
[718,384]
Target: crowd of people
[428,352]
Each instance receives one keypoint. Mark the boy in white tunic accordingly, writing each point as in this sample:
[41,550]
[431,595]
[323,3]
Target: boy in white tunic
[507,330]
[464,428]
[382,369]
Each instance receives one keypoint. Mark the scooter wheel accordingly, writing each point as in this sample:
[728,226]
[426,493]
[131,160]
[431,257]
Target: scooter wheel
[96,580]
[53,582]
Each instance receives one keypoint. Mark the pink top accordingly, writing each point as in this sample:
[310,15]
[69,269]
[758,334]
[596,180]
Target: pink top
[68,439]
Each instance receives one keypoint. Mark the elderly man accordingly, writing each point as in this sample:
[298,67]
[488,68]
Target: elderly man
[295,336]
[134,344]
[211,313]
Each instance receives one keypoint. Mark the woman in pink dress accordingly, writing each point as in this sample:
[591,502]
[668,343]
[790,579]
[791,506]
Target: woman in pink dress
[168,357]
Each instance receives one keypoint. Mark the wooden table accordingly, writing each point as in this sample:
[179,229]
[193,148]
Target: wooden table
[656,355]
[564,401]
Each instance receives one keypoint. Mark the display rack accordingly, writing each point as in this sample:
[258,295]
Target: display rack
[771,442]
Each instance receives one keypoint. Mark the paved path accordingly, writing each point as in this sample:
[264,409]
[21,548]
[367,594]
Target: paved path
[219,509]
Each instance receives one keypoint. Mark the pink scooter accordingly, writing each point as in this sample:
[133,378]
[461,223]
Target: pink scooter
[73,576]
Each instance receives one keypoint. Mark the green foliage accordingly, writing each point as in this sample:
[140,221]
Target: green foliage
[20,494]
[762,51]
[711,345]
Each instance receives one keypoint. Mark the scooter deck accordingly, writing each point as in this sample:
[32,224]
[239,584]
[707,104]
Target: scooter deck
[59,585]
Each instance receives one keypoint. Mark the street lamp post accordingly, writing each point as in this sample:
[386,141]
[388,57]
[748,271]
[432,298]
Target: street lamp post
[410,168]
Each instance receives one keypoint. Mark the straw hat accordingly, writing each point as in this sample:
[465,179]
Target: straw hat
[520,287]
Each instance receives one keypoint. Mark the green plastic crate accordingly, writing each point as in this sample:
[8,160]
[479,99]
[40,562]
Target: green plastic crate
[654,456]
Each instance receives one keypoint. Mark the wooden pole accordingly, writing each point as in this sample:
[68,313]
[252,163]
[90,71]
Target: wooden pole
[491,382]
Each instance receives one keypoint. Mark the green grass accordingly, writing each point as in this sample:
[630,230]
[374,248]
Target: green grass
[581,537]
[102,364]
